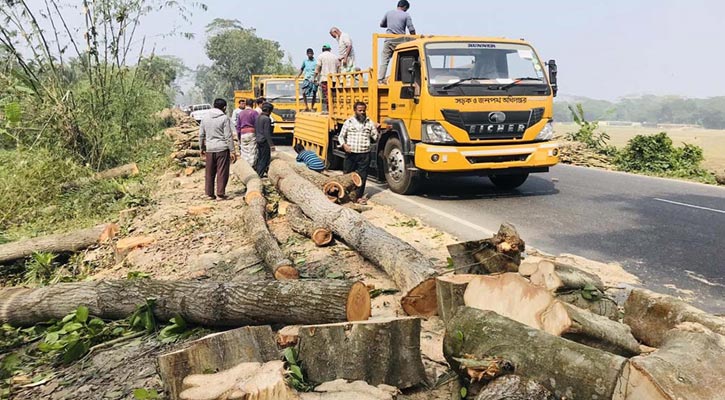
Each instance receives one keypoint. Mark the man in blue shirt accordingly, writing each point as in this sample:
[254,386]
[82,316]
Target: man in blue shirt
[310,159]
[309,89]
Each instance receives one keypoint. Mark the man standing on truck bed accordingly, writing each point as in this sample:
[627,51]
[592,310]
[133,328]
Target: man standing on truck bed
[308,86]
[395,21]
[327,64]
[357,134]
[345,51]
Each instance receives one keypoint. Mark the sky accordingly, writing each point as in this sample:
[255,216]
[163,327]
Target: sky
[604,49]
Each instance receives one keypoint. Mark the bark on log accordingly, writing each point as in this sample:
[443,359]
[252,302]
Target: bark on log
[514,387]
[412,272]
[689,365]
[187,153]
[58,243]
[449,293]
[501,253]
[299,223]
[566,368]
[651,315]
[514,297]
[216,352]
[604,306]
[340,389]
[255,224]
[337,188]
[198,302]
[556,276]
[122,171]
[246,381]
[380,351]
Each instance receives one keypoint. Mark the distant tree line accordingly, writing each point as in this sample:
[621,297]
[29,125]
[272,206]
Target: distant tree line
[709,113]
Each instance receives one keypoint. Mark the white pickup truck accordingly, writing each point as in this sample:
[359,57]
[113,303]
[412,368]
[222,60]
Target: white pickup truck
[199,111]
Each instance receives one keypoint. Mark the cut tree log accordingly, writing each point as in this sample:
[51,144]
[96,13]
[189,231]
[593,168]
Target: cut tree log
[412,272]
[566,368]
[58,243]
[187,153]
[379,351]
[246,381]
[338,188]
[514,387]
[514,297]
[123,171]
[255,224]
[557,276]
[198,302]
[500,253]
[299,223]
[216,352]
[340,389]
[603,306]
[689,365]
[449,293]
[651,315]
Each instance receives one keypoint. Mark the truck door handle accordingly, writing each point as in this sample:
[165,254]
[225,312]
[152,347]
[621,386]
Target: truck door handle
[393,106]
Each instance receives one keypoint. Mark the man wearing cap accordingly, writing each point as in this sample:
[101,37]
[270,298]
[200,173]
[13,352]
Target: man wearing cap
[327,64]
[345,51]
[308,85]
[395,22]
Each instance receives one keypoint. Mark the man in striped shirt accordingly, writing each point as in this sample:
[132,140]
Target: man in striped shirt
[309,158]
[356,136]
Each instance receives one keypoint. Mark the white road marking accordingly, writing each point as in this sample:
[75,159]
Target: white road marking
[441,213]
[690,205]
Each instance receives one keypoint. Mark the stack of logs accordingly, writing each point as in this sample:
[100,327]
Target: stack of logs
[186,144]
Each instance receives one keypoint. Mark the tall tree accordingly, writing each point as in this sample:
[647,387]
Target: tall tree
[237,53]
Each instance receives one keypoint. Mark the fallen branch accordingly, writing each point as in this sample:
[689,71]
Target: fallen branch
[304,226]
[123,171]
[500,253]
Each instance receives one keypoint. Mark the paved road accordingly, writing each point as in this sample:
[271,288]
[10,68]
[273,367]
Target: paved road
[664,231]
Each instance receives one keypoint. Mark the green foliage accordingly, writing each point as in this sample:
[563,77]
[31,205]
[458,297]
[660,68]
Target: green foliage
[587,132]
[591,293]
[143,394]
[72,337]
[177,330]
[655,154]
[143,317]
[295,375]
[133,275]
[40,269]
[237,53]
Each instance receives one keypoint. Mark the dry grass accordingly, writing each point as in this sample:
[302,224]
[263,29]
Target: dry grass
[712,141]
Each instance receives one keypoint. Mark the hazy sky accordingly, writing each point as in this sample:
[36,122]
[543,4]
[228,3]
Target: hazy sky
[604,49]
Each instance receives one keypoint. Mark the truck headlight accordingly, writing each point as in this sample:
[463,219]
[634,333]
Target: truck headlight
[434,132]
[546,133]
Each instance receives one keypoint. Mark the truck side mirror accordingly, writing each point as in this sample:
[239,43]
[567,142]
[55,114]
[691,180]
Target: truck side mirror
[552,76]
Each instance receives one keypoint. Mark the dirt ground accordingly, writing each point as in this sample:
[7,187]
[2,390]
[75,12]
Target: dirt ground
[212,245]
[712,141]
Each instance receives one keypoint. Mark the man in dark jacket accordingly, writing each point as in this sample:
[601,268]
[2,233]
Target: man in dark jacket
[216,141]
[265,146]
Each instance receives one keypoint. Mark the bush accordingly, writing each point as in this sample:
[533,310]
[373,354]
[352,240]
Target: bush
[588,134]
[655,154]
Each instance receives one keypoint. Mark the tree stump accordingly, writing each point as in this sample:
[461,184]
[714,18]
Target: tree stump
[246,381]
[501,253]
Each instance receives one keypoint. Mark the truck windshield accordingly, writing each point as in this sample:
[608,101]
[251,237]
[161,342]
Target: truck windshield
[280,91]
[484,69]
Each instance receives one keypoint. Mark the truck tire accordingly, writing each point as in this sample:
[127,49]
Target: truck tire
[399,177]
[509,182]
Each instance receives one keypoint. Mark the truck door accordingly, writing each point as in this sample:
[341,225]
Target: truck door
[405,89]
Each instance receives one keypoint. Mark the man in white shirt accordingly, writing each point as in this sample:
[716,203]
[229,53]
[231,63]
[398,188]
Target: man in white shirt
[327,63]
[345,50]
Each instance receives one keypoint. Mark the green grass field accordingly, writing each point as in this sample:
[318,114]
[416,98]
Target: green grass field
[712,141]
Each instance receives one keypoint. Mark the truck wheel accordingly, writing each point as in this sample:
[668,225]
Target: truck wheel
[509,181]
[400,179]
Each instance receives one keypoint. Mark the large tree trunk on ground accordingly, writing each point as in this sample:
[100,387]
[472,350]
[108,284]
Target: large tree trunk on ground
[58,243]
[377,351]
[216,352]
[566,368]
[202,303]
[514,297]
[246,381]
[305,226]
[651,315]
[514,387]
[604,306]
[255,224]
[123,171]
[501,253]
[689,365]
[412,272]
[556,276]
[337,188]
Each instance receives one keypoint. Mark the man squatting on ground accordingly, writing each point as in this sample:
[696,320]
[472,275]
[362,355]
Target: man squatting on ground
[216,141]
[357,134]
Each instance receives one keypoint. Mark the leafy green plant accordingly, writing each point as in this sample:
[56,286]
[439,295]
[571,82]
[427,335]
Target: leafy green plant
[144,394]
[295,376]
[177,330]
[587,132]
[40,269]
[73,336]
[143,317]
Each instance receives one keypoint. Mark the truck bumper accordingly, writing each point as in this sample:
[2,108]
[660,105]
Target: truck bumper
[284,129]
[436,158]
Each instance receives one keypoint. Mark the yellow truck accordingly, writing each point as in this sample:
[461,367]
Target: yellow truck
[450,106]
[282,92]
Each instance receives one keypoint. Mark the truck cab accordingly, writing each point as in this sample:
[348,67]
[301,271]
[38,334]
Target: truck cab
[451,106]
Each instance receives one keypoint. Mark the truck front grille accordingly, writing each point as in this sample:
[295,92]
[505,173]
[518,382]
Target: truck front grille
[497,159]
[483,125]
